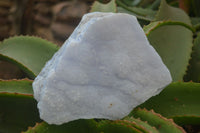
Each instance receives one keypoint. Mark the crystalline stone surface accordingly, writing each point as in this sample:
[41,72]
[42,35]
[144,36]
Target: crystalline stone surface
[105,69]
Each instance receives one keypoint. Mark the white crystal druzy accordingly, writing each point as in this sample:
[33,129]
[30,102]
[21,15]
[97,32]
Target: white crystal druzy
[105,69]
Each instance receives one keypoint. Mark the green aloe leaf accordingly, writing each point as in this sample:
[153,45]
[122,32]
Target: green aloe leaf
[167,12]
[99,7]
[119,126]
[195,20]
[162,124]
[154,25]
[18,109]
[131,2]
[78,126]
[145,3]
[144,124]
[179,101]
[196,23]
[155,5]
[16,86]
[140,13]
[172,42]
[141,19]
[193,72]
[29,53]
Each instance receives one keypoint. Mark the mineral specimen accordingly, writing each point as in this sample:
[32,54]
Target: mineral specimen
[105,69]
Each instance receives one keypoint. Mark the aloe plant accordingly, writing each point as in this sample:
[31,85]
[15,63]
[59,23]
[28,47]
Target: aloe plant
[171,31]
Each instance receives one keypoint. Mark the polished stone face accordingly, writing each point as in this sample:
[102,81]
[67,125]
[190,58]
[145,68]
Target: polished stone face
[105,69]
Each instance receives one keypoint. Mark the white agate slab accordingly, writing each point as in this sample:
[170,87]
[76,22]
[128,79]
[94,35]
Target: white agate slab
[105,69]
